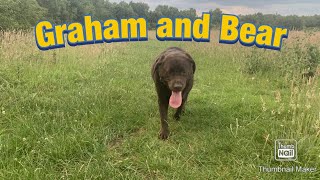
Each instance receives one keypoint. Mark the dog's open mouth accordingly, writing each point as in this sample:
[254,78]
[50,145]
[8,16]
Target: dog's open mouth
[175,99]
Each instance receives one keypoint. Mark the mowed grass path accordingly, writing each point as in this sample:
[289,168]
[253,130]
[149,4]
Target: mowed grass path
[90,112]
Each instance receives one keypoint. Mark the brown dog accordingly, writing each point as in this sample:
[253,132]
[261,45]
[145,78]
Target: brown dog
[172,73]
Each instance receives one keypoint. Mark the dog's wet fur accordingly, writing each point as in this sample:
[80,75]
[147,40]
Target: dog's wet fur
[173,70]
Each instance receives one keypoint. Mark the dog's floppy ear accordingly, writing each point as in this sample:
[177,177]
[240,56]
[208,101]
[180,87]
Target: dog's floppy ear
[193,66]
[155,67]
[192,62]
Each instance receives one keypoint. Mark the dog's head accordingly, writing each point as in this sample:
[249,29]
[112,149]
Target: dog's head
[174,70]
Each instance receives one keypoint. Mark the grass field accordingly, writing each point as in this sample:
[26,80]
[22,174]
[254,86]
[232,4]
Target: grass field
[90,112]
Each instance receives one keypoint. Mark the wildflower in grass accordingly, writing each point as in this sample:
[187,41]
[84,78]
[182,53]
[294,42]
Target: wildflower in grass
[278,96]
[308,106]
[264,108]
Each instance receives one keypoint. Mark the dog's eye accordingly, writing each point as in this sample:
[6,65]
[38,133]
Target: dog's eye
[164,78]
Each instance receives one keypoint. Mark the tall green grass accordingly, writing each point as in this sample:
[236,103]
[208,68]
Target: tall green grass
[90,112]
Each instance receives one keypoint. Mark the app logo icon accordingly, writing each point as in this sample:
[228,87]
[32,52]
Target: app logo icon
[285,150]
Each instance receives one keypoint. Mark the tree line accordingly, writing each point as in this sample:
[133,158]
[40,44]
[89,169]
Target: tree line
[24,14]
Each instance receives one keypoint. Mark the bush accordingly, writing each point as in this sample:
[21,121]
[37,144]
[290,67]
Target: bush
[296,62]
[257,62]
[300,61]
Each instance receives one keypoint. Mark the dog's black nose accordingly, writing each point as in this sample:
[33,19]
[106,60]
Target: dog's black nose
[177,86]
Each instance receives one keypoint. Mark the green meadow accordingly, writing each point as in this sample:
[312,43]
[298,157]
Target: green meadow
[90,112]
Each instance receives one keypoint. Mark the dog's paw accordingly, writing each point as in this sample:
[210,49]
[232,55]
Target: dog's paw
[164,134]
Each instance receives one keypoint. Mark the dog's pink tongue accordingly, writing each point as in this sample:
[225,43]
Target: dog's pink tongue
[175,99]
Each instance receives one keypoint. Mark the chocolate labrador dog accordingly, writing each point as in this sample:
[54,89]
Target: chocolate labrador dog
[172,73]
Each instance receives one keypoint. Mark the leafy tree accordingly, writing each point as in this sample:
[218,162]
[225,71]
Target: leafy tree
[123,10]
[311,21]
[22,14]
[17,14]
[140,9]
[190,13]
[153,17]
[58,11]
[167,11]
[216,16]
[103,9]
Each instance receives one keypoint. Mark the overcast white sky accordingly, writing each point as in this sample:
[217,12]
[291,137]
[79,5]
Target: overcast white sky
[283,7]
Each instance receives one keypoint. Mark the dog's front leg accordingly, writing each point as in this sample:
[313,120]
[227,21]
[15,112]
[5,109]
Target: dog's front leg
[163,108]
